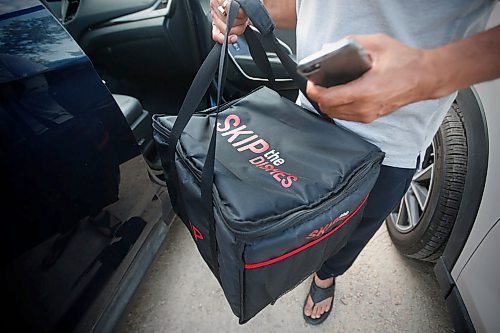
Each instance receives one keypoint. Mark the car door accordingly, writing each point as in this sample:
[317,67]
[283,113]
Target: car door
[81,219]
[245,76]
[147,53]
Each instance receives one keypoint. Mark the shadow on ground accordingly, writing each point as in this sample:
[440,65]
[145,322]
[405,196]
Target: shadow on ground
[382,292]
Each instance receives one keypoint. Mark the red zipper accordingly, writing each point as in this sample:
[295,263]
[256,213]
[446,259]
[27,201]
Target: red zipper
[305,246]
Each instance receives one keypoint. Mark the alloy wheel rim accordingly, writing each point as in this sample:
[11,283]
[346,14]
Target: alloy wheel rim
[409,213]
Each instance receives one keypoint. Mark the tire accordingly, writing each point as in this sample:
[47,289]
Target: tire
[421,225]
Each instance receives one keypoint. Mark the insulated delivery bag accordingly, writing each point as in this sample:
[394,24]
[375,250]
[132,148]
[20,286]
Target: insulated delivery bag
[267,189]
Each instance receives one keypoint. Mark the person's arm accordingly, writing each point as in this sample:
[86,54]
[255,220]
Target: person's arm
[466,62]
[401,75]
[282,12]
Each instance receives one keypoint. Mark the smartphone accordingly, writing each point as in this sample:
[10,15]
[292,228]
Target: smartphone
[336,63]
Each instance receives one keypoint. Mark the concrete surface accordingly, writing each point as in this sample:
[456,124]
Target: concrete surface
[382,292]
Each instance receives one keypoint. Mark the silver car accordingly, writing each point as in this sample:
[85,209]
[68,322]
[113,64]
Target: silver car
[450,215]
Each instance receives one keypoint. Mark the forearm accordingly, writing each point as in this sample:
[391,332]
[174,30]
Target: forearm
[458,65]
[283,12]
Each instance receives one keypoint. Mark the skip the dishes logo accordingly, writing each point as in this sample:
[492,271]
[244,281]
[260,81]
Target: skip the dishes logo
[267,159]
[327,227]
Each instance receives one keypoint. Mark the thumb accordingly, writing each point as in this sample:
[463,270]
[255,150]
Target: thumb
[314,91]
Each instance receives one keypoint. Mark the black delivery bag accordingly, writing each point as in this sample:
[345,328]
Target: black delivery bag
[268,189]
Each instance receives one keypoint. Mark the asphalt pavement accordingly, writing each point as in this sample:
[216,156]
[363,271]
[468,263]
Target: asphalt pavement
[382,292]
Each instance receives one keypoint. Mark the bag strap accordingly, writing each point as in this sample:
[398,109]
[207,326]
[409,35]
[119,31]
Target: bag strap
[263,22]
[204,76]
[217,58]
[259,55]
[193,98]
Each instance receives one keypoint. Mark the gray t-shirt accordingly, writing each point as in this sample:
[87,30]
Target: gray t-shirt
[407,132]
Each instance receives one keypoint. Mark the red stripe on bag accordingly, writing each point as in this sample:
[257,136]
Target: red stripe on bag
[305,246]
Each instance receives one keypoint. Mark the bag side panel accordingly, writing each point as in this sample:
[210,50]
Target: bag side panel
[230,251]
[275,265]
[194,220]
[230,256]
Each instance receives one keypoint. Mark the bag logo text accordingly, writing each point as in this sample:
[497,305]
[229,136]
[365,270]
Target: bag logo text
[196,232]
[267,159]
[324,229]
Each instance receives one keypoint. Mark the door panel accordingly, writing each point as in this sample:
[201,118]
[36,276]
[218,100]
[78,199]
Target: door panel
[244,75]
[79,15]
[151,54]
[78,206]
[149,50]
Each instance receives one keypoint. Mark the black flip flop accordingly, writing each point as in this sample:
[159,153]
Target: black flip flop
[317,295]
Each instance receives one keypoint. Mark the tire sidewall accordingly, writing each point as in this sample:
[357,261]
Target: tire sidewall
[413,237]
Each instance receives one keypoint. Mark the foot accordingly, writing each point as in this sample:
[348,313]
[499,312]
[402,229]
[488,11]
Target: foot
[316,310]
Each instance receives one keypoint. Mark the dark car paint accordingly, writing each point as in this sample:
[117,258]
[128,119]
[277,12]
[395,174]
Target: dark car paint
[79,207]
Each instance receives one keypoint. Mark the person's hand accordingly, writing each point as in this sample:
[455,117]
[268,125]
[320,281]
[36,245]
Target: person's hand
[399,76]
[219,10]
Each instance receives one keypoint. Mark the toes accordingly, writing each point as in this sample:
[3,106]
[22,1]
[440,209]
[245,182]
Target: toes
[315,313]
[309,307]
[320,309]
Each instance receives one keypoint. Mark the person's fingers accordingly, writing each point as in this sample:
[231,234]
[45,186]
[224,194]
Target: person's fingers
[238,29]
[241,20]
[314,91]
[392,81]
[359,110]
[355,112]
[220,23]
[350,101]
[338,95]
[308,307]
[231,39]
[219,29]
[241,17]
[241,14]
[217,36]
[213,4]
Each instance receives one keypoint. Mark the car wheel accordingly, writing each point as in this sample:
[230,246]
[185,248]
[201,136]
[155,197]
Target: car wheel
[421,225]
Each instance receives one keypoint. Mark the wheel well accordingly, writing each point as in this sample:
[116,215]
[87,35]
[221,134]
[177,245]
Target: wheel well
[477,164]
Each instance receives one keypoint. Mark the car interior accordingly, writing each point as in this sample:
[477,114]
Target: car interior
[147,53]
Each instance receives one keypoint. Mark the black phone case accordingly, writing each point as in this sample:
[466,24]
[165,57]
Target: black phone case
[339,67]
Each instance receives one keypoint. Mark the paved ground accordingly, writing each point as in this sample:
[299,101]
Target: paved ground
[382,292]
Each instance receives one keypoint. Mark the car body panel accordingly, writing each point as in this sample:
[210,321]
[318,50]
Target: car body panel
[79,207]
[475,272]
[488,95]
[478,283]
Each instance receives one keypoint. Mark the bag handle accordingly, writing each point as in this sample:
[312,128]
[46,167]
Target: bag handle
[263,22]
[218,56]
[200,85]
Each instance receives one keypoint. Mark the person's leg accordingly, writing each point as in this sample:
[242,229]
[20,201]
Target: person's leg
[390,187]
